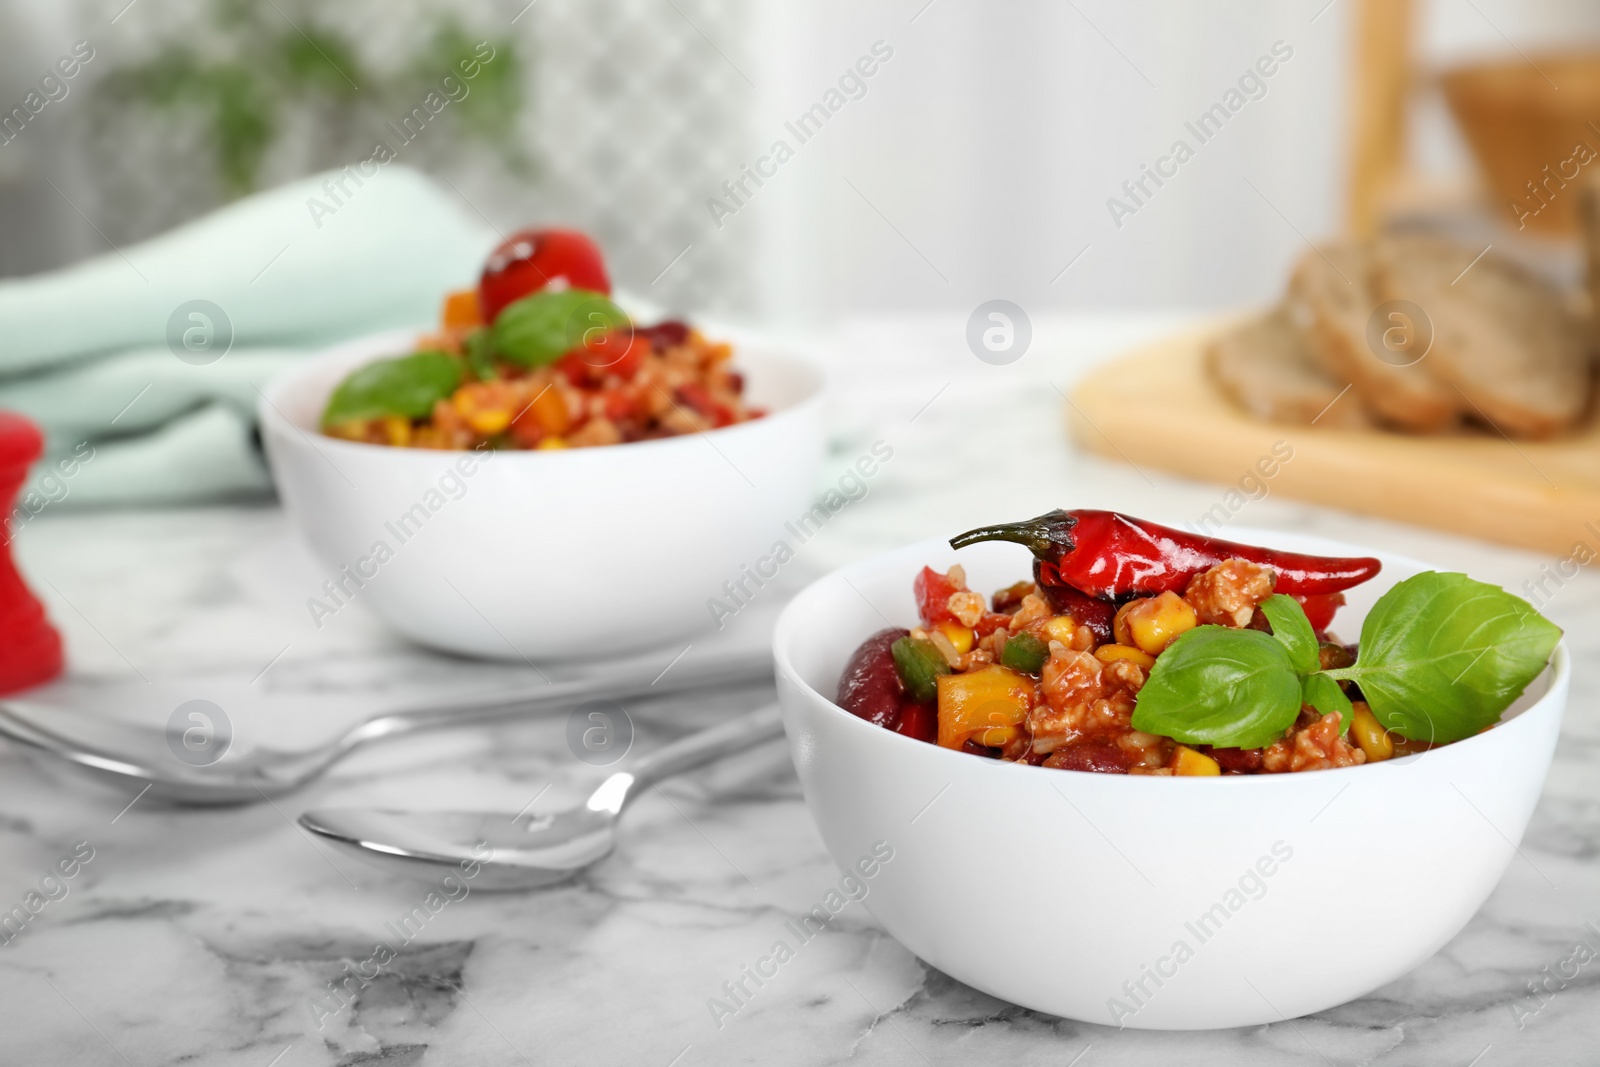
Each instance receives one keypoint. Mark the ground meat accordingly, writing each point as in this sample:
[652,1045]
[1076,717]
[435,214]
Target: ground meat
[1082,698]
[1227,594]
[966,606]
[1316,746]
[1033,609]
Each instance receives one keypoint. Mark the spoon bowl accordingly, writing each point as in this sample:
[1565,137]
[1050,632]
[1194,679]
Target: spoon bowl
[513,853]
[522,852]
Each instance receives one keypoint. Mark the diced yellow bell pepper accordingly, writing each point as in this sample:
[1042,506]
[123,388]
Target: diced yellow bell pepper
[550,409]
[959,636]
[1190,762]
[1369,734]
[461,310]
[1110,653]
[982,702]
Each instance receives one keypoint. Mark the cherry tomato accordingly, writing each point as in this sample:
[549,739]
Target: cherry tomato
[530,260]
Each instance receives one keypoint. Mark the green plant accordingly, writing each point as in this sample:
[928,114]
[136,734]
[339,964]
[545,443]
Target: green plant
[254,62]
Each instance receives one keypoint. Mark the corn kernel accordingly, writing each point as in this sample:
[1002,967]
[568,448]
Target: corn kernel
[550,444]
[1155,622]
[1370,735]
[1110,653]
[1190,762]
[490,421]
[1119,624]
[1060,628]
[398,430]
[959,636]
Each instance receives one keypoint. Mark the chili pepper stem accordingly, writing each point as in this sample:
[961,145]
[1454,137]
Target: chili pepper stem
[1047,536]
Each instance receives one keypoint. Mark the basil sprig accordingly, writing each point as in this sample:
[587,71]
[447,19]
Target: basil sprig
[1441,657]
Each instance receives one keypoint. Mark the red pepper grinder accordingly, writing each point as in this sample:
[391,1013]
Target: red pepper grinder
[30,648]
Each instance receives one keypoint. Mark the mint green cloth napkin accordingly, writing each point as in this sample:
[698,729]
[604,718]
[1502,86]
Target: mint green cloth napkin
[92,352]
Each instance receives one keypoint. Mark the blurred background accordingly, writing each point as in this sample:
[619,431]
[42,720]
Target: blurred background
[977,160]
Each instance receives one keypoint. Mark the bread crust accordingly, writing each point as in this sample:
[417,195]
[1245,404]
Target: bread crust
[1265,366]
[1504,338]
[1330,292]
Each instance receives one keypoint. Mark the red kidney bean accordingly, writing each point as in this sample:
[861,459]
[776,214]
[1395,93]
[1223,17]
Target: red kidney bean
[1238,760]
[870,687]
[1099,757]
[664,335]
[1086,610]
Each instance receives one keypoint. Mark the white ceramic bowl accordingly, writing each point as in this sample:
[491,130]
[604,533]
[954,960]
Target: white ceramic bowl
[1158,903]
[545,555]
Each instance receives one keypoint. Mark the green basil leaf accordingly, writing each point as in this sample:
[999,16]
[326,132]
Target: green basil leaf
[541,328]
[1222,687]
[406,386]
[1291,627]
[479,350]
[1324,694]
[1442,655]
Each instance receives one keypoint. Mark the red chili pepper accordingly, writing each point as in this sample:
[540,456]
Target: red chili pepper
[1106,554]
[1320,609]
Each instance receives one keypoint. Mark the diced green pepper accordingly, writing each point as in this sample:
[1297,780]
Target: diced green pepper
[919,665]
[1025,653]
[406,386]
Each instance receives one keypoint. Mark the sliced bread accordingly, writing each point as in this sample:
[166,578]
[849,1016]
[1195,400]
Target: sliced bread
[1330,292]
[1503,336]
[1265,365]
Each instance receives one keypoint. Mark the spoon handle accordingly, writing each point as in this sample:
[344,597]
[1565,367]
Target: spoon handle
[696,750]
[619,683]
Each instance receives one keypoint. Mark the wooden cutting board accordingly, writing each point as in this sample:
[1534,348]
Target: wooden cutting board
[1156,408]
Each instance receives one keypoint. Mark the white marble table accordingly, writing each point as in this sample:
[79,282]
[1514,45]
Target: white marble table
[207,937]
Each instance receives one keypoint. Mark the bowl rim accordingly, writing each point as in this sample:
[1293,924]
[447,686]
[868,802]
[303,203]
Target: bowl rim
[371,346]
[786,633]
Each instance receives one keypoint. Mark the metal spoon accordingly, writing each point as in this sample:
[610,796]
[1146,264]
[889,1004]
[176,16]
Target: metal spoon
[514,852]
[138,756]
